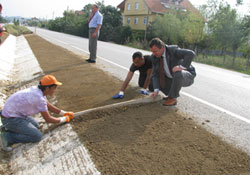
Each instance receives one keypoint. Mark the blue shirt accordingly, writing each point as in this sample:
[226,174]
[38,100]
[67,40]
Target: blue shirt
[97,19]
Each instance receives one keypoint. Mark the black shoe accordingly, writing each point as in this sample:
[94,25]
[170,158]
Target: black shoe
[91,61]
[88,60]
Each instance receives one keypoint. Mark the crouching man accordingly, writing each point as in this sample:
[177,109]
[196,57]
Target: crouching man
[18,125]
[144,65]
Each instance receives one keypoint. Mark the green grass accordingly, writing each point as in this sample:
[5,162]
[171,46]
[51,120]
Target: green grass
[239,64]
[17,30]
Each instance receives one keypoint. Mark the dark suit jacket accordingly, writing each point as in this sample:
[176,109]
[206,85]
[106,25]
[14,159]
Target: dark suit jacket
[175,56]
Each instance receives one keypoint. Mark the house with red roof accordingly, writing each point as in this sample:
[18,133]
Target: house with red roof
[139,13]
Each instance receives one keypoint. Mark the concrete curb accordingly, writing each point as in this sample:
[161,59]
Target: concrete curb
[17,60]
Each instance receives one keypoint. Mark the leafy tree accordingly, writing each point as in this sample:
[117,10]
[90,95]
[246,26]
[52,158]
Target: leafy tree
[111,30]
[192,29]
[245,47]
[122,34]
[177,28]
[112,19]
[167,27]
[2,19]
[225,27]
[239,2]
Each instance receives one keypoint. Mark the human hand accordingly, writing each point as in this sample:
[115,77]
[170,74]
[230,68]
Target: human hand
[93,35]
[70,114]
[144,92]
[68,118]
[177,68]
[154,94]
[117,96]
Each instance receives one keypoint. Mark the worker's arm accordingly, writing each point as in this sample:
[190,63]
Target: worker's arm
[124,86]
[53,108]
[49,119]
[127,80]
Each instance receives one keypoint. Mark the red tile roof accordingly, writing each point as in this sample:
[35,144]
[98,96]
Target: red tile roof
[163,6]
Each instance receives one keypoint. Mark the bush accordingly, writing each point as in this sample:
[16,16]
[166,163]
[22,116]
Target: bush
[17,30]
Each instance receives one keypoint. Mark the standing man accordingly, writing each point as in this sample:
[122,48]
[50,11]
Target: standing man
[18,125]
[94,24]
[144,65]
[172,69]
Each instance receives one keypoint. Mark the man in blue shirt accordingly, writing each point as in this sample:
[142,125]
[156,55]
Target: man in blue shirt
[94,24]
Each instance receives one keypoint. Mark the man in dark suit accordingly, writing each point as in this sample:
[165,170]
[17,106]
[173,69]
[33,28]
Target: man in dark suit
[172,70]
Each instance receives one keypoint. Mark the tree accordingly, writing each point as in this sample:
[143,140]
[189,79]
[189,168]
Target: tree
[192,29]
[245,47]
[225,28]
[167,27]
[112,19]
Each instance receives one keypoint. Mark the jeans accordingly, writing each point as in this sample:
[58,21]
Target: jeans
[21,130]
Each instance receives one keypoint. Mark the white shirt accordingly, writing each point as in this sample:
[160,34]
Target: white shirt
[25,103]
[165,65]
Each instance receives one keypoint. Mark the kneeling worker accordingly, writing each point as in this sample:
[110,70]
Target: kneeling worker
[144,65]
[18,125]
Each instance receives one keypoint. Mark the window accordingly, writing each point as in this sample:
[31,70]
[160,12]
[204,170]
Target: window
[137,5]
[129,6]
[128,20]
[136,20]
[145,20]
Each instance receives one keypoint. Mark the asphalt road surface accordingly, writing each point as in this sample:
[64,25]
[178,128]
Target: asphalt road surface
[220,97]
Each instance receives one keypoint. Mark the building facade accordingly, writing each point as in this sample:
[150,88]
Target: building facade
[139,13]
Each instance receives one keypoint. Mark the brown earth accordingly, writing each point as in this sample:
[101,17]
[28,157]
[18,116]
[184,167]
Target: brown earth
[134,140]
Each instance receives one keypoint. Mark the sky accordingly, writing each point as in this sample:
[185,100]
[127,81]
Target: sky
[50,9]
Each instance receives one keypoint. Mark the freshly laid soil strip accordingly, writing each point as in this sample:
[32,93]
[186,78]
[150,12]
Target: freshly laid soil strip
[139,139]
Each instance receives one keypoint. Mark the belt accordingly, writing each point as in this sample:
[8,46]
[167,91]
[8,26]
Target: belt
[92,28]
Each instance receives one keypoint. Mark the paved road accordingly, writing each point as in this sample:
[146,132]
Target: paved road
[218,95]
[224,89]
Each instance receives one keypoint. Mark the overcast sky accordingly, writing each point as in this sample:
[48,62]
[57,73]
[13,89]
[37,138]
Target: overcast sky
[48,9]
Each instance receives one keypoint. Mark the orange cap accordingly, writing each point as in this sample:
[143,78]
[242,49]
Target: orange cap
[49,80]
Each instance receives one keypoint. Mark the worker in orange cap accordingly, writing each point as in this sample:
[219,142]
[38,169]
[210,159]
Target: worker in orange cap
[18,125]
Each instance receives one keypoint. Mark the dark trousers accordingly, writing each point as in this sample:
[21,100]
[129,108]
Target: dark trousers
[142,79]
[173,85]
[92,44]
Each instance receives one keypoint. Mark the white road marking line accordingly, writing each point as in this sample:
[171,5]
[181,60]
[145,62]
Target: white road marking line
[218,108]
[184,93]
[104,59]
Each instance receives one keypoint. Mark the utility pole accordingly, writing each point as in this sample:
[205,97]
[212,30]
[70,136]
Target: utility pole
[145,34]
